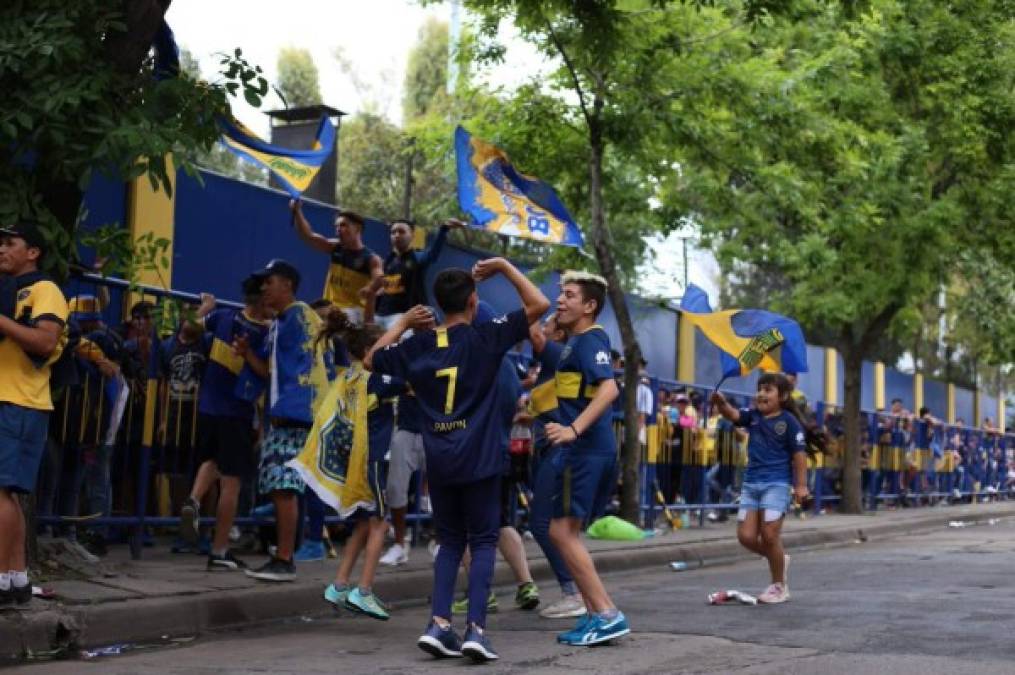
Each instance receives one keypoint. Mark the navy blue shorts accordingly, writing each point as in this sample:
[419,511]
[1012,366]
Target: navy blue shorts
[585,484]
[22,442]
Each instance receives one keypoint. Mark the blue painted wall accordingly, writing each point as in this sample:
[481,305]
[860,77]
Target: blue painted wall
[935,397]
[225,229]
[964,406]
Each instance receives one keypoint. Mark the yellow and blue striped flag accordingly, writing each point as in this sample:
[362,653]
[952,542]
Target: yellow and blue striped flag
[500,199]
[295,169]
[747,338]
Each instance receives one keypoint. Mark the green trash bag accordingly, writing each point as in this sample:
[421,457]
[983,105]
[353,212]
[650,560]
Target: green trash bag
[612,527]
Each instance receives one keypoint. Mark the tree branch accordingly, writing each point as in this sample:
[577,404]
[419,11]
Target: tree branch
[571,69]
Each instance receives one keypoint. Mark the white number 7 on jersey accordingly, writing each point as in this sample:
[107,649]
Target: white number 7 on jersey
[452,375]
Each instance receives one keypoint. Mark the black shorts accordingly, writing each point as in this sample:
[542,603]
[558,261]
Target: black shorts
[229,442]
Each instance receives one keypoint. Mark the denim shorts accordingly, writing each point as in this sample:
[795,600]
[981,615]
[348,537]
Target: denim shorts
[22,441]
[772,498]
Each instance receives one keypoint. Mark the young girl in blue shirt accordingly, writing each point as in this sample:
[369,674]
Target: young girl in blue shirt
[776,455]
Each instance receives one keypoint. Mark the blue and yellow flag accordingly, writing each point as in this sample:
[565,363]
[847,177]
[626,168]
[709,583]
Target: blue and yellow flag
[502,200]
[333,462]
[747,338]
[295,169]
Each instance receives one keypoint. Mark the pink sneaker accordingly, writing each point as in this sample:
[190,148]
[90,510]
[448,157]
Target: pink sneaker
[774,594]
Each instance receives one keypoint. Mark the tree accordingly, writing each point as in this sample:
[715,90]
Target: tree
[426,72]
[371,150]
[605,56]
[83,96]
[855,149]
[297,77]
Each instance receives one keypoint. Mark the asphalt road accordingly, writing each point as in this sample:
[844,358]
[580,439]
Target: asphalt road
[934,603]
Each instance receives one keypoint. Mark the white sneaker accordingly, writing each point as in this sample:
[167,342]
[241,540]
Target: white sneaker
[396,555]
[234,534]
[774,594]
[567,607]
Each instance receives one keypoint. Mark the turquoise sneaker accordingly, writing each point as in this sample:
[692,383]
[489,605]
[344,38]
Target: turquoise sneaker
[580,625]
[367,604]
[599,630]
[336,597]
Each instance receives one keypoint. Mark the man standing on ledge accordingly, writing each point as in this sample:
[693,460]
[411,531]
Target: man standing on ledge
[298,367]
[354,268]
[33,313]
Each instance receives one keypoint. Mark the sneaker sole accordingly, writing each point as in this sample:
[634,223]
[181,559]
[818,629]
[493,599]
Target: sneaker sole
[366,612]
[478,653]
[774,602]
[267,576]
[603,639]
[300,560]
[529,604]
[433,646]
[223,567]
[188,526]
[570,614]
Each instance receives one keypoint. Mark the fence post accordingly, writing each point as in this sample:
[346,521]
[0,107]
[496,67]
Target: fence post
[144,466]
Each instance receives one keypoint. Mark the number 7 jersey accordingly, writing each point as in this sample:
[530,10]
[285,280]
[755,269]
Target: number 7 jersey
[453,373]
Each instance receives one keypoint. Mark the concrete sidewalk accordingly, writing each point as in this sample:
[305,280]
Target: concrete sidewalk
[167,595]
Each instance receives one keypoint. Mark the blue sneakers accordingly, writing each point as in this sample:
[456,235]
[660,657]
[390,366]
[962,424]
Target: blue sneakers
[310,551]
[599,630]
[440,642]
[567,637]
[477,646]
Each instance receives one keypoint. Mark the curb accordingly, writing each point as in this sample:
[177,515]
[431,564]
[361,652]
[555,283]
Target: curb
[154,619]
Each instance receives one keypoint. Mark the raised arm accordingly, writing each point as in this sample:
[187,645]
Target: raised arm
[417,318]
[724,408]
[306,233]
[534,302]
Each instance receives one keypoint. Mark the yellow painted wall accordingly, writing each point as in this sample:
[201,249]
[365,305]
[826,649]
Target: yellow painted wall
[917,392]
[685,355]
[879,385]
[831,377]
[152,211]
[951,403]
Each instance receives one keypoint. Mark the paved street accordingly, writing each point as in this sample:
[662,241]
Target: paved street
[934,603]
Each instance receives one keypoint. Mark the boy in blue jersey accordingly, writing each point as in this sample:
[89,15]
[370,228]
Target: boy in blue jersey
[587,464]
[225,420]
[452,369]
[547,345]
[298,367]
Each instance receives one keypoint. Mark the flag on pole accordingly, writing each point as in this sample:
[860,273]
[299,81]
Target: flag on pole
[747,338]
[500,199]
[295,169]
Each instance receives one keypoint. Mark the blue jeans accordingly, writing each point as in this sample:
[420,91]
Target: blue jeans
[541,512]
[771,498]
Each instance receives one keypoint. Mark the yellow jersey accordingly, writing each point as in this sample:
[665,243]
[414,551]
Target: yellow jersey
[25,380]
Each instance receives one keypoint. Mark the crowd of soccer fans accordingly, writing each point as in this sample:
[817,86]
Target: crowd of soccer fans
[470,415]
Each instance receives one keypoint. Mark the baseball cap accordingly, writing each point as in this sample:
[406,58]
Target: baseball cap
[27,230]
[282,268]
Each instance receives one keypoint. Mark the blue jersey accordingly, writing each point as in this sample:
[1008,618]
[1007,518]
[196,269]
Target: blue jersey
[543,397]
[299,365]
[584,364]
[218,387]
[382,391]
[772,444]
[409,414]
[453,372]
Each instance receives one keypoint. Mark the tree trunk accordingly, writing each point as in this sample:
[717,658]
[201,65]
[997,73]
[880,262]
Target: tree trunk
[410,154]
[127,50]
[630,455]
[852,491]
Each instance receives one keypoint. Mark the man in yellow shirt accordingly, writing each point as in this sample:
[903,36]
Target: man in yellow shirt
[31,339]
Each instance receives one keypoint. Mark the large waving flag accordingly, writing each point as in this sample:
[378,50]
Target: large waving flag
[747,338]
[502,200]
[334,461]
[295,169]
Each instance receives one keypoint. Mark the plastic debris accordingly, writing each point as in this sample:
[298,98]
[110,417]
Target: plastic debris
[682,565]
[730,597]
[111,650]
[958,523]
[993,521]
[44,593]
